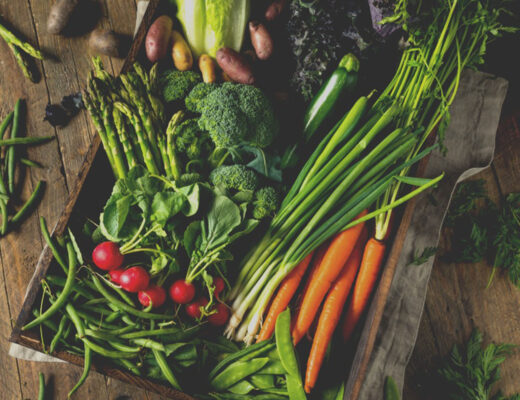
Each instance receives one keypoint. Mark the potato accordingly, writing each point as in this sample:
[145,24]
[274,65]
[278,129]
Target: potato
[181,53]
[275,9]
[158,38]
[207,68]
[59,15]
[261,40]
[105,41]
[235,66]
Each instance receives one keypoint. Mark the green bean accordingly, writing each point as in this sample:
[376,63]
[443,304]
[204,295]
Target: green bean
[48,323]
[5,124]
[129,366]
[391,389]
[62,298]
[284,343]
[236,372]
[106,352]
[59,334]
[11,155]
[25,140]
[30,163]
[175,334]
[165,368]
[52,246]
[114,332]
[96,334]
[119,291]
[76,320]
[243,355]
[29,203]
[87,362]
[3,212]
[41,390]
[124,306]
[60,281]
[125,318]
[123,347]
[149,344]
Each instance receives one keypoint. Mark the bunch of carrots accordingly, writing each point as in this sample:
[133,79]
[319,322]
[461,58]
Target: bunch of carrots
[347,265]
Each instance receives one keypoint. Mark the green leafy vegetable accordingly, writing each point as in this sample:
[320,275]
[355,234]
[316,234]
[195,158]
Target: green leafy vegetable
[420,259]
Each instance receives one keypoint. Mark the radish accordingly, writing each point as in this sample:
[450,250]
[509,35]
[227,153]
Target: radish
[221,315]
[193,309]
[134,279]
[107,256]
[182,292]
[219,285]
[154,294]
[115,275]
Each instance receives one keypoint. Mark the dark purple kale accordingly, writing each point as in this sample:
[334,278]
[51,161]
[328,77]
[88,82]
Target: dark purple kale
[73,103]
[56,115]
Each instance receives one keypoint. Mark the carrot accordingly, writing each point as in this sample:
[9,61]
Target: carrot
[331,313]
[337,254]
[283,297]
[368,272]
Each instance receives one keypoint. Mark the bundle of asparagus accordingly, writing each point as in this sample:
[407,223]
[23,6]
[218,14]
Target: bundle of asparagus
[129,118]
[21,51]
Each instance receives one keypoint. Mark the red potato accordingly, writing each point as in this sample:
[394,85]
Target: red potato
[275,9]
[261,40]
[235,66]
[59,15]
[158,38]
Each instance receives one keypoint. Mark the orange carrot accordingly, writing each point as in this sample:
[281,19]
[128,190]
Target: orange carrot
[337,254]
[283,297]
[331,313]
[368,272]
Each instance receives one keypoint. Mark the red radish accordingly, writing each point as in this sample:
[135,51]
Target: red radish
[219,284]
[220,317]
[134,279]
[106,256]
[193,309]
[155,294]
[182,292]
[115,275]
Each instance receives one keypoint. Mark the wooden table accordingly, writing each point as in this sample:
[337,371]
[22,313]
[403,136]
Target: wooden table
[456,299]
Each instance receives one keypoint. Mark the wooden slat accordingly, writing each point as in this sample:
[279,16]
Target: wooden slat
[457,300]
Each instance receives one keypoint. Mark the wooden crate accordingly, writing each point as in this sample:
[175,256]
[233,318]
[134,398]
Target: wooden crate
[81,203]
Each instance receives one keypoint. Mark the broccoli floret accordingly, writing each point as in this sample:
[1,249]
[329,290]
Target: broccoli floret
[199,92]
[237,177]
[191,141]
[236,114]
[177,84]
[266,202]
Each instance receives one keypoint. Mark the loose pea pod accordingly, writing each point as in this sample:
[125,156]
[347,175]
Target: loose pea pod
[284,343]
[165,368]
[247,353]
[273,367]
[236,372]
[295,388]
[262,381]
[87,363]
[342,81]
[242,387]
[61,300]
[391,389]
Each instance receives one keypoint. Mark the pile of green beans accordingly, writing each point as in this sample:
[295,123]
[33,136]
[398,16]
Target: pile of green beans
[265,370]
[86,315]
[8,164]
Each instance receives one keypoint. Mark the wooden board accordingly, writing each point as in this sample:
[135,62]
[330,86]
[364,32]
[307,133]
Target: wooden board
[458,301]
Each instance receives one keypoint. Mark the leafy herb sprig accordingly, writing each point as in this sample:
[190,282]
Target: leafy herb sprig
[472,371]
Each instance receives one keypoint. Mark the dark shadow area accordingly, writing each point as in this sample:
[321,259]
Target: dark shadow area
[84,18]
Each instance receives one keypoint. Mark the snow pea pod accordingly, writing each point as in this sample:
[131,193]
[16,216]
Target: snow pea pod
[248,353]
[61,300]
[284,343]
[236,372]
[273,367]
[242,387]
[262,381]
[295,387]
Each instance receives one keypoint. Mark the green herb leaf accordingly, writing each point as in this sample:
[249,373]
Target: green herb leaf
[420,259]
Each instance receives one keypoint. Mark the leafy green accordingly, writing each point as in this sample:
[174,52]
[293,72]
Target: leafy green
[427,252]
[472,371]
[211,25]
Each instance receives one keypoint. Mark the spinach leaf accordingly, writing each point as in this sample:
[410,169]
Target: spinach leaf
[222,218]
[165,205]
[192,194]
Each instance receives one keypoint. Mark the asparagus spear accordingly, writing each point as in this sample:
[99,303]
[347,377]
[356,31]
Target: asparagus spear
[123,138]
[23,63]
[11,38]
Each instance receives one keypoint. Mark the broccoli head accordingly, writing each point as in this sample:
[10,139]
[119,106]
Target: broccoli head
[236,114]
[191,141]
[266,202]
[237,177]
[199,92]
[177,84]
